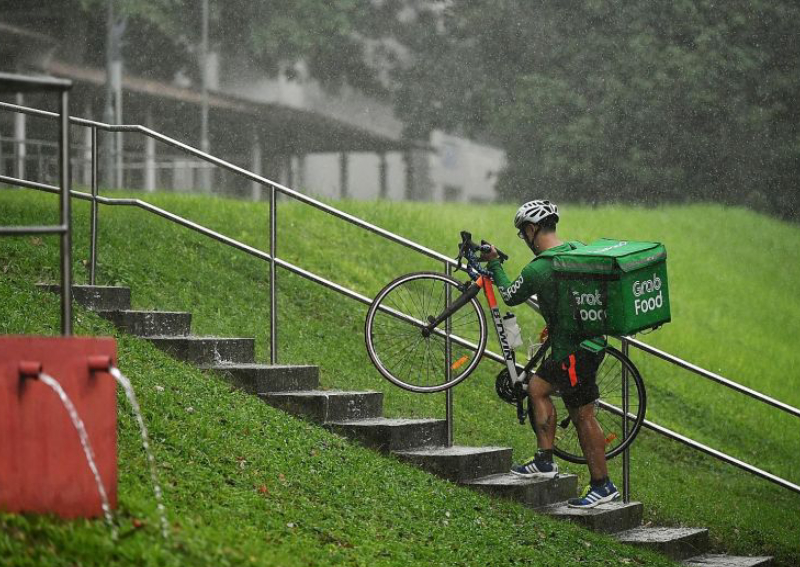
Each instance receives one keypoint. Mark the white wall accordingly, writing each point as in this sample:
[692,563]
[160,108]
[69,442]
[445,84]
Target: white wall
[459,163]
[470,169]
[466,165]
[322,176]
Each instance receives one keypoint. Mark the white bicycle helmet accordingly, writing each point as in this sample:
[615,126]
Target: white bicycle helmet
[534,212]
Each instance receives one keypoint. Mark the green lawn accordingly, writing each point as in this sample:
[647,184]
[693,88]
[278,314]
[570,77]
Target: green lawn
[732,278]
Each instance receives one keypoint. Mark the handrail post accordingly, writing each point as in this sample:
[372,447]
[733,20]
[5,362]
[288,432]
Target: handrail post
[66,218]
[447,368]
[626,456]
[273,297]
[94,211]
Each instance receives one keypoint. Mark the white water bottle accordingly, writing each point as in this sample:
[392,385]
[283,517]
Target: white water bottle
[513,332]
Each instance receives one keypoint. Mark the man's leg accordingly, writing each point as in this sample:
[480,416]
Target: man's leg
[544,412]
[592,440]
[545,426]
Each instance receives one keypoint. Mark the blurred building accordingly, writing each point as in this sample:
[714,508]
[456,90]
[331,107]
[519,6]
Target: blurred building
[288,129]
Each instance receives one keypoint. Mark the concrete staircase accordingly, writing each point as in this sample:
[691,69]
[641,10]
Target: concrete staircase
[358,415]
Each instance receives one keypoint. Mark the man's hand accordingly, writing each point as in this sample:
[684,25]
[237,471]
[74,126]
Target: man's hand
[490,255]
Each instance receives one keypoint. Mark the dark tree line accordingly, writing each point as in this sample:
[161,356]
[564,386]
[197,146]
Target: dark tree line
[646,101]
[602,101]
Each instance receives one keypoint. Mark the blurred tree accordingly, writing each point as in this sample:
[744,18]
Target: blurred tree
[597,101]
[338,41]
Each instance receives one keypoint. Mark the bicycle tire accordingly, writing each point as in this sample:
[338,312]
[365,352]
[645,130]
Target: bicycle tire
[608,410]
[397,346]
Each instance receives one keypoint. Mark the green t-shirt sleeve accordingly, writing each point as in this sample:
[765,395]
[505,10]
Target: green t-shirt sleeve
[521,289]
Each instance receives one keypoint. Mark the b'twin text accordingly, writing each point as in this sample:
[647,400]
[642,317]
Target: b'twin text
[508,354]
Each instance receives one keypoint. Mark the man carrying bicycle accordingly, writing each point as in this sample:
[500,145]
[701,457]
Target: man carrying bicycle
[570,369]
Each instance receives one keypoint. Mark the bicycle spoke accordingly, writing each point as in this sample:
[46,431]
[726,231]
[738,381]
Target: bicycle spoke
[406,348]
[432,358]
[405,361]
[409,304]
[398,348]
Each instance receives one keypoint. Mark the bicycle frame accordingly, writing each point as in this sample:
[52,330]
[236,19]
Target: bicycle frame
[487,285]
[483,282]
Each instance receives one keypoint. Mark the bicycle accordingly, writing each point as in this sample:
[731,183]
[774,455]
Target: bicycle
[425,326]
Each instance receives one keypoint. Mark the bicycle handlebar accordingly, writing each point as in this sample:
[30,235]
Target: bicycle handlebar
[486,247]
[468,245]
[467,250]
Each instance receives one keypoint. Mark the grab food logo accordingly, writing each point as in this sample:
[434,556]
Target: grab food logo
[591,306]
[508,292]
[647,287]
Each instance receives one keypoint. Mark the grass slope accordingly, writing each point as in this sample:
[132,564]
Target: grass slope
[732,305]
[248,484]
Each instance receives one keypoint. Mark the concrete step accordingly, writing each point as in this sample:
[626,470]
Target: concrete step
[710,560]
[677,543]
[96,297]
[325,406]
[533,492]
[357,415]
[460,464]
[607,518]
[207,351]
[150,323]
[263,378]
[386,434]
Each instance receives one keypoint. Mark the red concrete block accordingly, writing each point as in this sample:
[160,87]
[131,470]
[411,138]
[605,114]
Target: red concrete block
[43,468]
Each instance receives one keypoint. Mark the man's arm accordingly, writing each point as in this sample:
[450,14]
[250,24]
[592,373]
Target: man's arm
[518,291]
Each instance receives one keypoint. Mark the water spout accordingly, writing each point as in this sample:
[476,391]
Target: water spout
[87,448]
[126,385]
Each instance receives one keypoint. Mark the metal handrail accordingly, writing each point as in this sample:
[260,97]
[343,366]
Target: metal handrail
[448,262]
[713,377]
[177,219]
[703,448]
[240,171]
[676,361]
[61,87]
[719,455]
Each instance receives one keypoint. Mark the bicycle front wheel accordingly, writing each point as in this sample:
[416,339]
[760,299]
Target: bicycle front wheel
[613,374]
[415,360]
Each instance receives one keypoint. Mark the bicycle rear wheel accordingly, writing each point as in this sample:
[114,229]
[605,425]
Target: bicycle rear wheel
[607,410]
[400,350]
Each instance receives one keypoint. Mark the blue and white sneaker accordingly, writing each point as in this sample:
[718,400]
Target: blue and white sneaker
[594,496]
[537,468]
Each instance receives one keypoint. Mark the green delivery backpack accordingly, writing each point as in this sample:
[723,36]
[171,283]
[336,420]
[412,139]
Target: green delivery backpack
[612,287]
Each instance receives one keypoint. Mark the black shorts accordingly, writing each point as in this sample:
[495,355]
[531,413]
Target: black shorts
[574,377]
